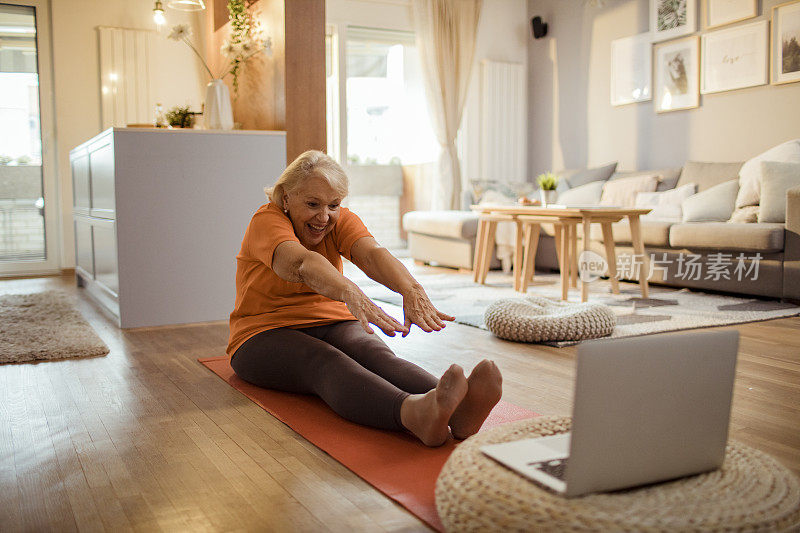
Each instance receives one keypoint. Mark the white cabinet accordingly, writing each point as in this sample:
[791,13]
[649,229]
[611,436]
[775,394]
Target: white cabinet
[159,218]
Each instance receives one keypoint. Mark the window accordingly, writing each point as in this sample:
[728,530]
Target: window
[332,91]
[22,224]
[387,114]
[377,114]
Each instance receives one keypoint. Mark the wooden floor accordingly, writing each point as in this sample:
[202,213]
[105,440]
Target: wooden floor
[146,438]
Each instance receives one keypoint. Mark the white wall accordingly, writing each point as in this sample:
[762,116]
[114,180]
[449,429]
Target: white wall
[572,123]
[77,81]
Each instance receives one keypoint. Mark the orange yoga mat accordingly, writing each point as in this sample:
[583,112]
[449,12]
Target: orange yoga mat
[395,463]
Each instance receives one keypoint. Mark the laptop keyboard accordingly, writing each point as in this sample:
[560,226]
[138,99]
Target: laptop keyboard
[555,467]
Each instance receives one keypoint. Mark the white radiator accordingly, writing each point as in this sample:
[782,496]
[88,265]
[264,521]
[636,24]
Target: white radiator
[125,63]
[503,121]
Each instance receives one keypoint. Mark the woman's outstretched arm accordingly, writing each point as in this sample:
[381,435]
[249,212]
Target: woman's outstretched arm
[383,267]
[292,262]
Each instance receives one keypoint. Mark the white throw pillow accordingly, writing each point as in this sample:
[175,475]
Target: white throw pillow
[712,205]
[776,179]
[665,205]
[588,194]
[750,173]
[622,192]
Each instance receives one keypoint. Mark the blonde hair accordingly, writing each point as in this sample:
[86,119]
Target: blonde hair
[308,164]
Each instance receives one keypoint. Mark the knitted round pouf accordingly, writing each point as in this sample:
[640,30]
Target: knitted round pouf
[751,492]
[538,319]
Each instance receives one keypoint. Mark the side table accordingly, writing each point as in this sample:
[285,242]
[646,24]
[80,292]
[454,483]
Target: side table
[751,492]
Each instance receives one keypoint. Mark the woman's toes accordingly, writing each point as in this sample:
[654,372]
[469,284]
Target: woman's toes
[450,391]
[427,415]
[485,388]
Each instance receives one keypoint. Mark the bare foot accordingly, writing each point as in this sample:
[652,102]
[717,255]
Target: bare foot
[426,415]
[485,390]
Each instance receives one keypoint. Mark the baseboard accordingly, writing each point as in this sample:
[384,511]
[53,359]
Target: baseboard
[46,274]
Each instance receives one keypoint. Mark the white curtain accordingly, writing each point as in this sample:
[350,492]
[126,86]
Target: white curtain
[446,32]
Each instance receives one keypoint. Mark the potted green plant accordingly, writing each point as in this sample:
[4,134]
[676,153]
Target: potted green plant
[180,117]
[547,187]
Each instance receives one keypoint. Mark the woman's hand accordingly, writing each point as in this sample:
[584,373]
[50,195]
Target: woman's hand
[419,310]
[368,313]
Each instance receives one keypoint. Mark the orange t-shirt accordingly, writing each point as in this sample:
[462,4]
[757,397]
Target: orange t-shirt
[264,301]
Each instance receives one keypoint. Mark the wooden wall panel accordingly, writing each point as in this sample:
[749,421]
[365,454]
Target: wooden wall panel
[285,91]
[305,77]
[219,13]
[261,102]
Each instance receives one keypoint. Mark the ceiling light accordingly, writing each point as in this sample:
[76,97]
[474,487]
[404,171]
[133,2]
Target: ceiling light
[186,5]
[158,14]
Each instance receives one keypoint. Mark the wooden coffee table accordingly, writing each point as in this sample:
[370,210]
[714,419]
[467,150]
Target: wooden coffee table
[566,220]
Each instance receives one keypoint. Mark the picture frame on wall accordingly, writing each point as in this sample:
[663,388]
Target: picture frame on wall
[676,81]
[735,58]
[631,69]
[672,18]
[718,13]
[785,43]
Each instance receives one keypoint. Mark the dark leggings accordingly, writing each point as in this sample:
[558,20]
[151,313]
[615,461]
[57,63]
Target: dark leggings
[354,372]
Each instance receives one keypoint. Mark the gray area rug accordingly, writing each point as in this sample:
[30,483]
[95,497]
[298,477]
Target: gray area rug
[44,326]
[665,310]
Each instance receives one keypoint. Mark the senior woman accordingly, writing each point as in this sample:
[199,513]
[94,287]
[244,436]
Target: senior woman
[300,326]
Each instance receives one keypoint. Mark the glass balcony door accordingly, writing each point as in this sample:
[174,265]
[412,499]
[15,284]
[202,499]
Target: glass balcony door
[28,229]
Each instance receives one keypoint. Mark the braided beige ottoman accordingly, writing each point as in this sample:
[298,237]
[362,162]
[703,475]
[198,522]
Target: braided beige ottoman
[751,492]
[539,319]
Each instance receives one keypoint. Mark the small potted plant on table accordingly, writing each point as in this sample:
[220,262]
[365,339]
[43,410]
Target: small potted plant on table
[547,187]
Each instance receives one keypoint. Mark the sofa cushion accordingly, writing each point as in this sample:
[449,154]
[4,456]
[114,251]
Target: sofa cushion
[712,205]
[654,232]
[750,174]
[707,175]
[582,195]
[665,205]
[454,224]
[668,176]
[622,192]
[745,215]
[728,236]
[576,177]
[776,179]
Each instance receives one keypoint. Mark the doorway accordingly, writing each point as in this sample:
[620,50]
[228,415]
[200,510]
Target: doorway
[28,203]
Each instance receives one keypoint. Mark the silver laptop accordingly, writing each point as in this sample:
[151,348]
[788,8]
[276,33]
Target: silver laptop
[646,409]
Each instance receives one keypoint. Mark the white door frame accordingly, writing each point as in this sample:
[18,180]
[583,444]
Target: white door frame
[52,210]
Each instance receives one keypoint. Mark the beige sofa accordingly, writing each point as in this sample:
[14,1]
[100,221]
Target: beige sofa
[447,238]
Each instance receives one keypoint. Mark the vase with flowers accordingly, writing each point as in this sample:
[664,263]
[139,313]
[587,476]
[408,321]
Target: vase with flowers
[245,42]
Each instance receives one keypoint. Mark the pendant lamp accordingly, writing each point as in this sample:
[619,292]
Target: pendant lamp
[186,5]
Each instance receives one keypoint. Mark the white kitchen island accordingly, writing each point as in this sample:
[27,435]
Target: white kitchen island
[160,214]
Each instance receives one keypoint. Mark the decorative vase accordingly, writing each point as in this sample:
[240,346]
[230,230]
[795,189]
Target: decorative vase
[218,114]
[548,197]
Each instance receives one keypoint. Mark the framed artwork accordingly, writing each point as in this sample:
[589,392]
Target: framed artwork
[672,18]
[631,70]
[786,42]
[721,12]
[734,58]
[677,75]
